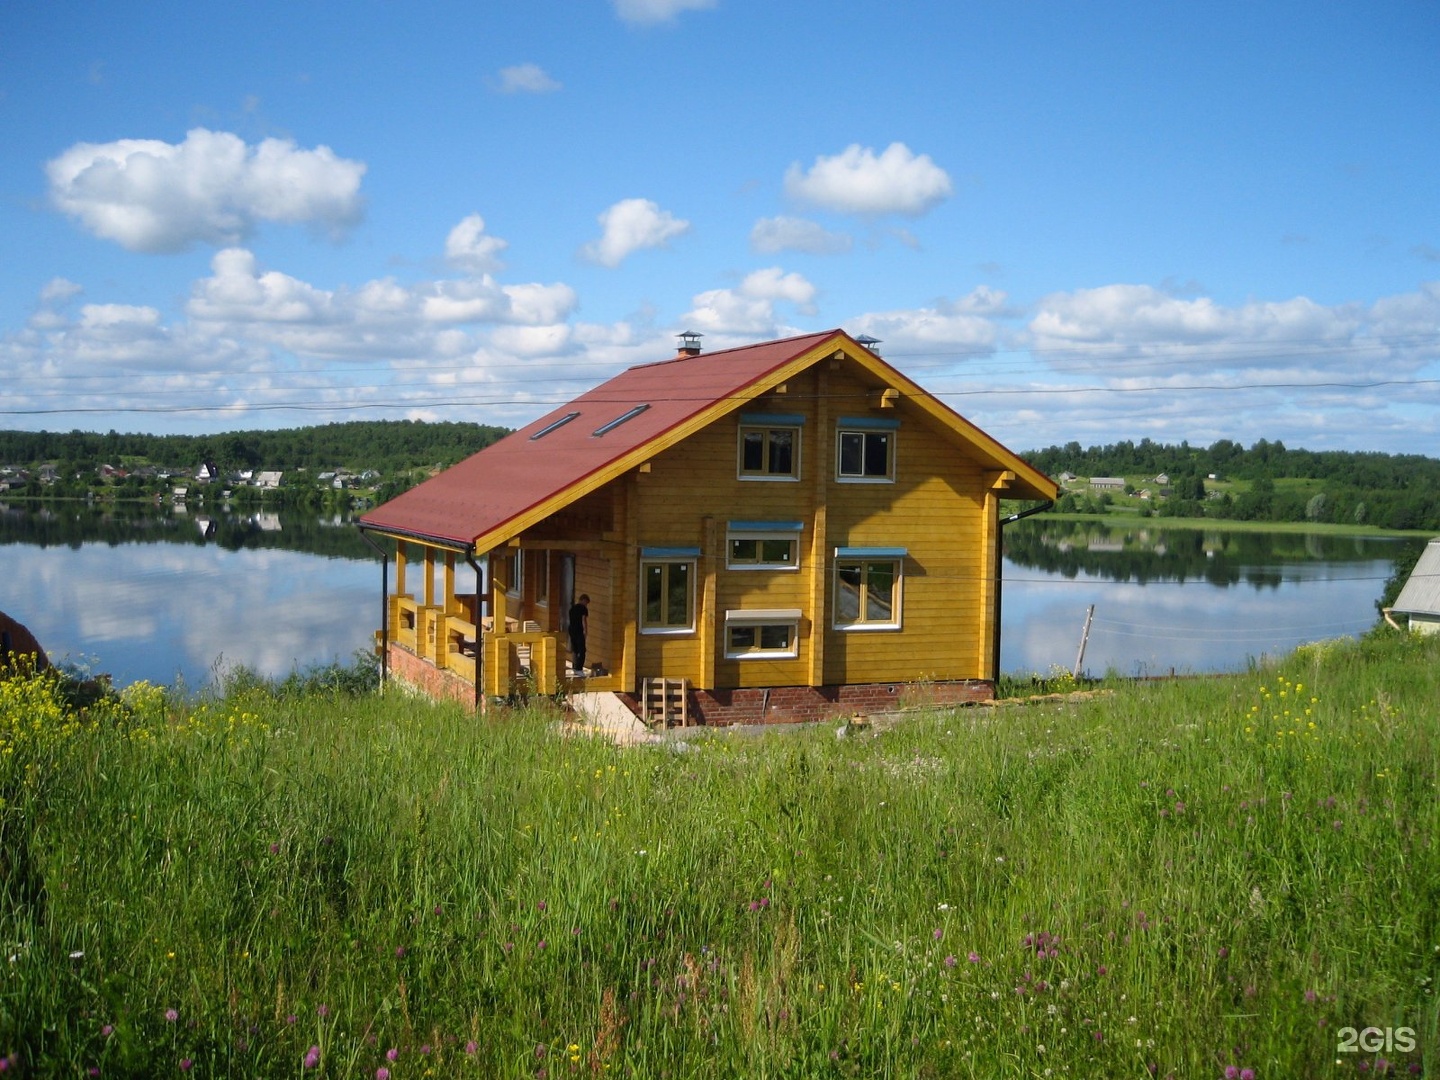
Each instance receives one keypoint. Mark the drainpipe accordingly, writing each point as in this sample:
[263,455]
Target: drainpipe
[384,607]
[479,649]
[999,572]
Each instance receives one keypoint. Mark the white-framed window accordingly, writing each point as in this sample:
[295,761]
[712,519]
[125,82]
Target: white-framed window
[762,635]
[763,545]
[667,590]
[865,450]
[868,588]
[768,447]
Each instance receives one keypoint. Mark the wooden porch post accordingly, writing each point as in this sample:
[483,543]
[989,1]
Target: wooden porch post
[627,603]
[815,670]
[498,610]
[706,616]
[424,623]
[987,659]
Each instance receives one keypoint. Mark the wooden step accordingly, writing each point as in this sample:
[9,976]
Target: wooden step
[665,702]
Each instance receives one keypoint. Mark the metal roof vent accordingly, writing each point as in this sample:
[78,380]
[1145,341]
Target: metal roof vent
[869,343]
[689,343]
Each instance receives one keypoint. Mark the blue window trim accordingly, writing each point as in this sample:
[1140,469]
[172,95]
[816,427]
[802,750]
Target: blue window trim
[871,552]
[669,552]
[866,423]
[767,419]
[766,526]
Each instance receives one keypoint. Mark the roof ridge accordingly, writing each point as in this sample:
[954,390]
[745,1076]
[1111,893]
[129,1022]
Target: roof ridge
[735,349]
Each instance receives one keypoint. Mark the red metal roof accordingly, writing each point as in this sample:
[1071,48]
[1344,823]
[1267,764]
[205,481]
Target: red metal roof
[503,481]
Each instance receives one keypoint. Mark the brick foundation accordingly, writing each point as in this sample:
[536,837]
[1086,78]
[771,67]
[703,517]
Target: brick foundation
[721,708]
[796,704]
[435,682]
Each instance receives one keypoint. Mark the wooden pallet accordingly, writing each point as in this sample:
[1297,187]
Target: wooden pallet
[665,702]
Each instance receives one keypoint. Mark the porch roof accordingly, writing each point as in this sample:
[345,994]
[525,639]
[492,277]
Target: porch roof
[495,494]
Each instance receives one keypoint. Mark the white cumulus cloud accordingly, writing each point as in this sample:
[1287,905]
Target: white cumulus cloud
[782,233]
[378,319]
[966,326]
[1103,324]
[629,226]
[469,248]
[858,181]
[526,79]
[153,196]
[58,290]
[648,12]
[750,308]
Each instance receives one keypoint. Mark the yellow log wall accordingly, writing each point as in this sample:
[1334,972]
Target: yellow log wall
[940,508]
[934,509]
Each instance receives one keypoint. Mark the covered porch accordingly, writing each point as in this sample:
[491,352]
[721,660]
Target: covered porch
[495,624]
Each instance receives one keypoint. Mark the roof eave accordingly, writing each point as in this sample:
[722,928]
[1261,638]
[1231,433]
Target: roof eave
[450,543]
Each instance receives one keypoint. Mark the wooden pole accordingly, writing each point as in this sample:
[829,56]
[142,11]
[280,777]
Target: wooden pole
[1084,637]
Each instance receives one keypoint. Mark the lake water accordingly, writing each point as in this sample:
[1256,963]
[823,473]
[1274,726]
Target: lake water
[165,596]
[1178,599]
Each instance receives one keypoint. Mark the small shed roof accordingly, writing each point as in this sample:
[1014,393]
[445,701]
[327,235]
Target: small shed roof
[1421,594]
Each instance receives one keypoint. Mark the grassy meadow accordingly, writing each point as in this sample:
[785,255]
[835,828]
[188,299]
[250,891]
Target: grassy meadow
[1202,878]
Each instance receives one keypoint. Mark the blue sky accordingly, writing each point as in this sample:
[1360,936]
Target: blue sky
[1084,222]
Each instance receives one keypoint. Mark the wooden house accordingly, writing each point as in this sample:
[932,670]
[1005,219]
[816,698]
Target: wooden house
[782,531]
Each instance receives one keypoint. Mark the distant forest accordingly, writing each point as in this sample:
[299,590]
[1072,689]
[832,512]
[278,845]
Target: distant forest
[387,446]
[1267,482]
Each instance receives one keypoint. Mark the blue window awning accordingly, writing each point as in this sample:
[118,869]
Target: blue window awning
[866,423]
[772,419]
[766,526]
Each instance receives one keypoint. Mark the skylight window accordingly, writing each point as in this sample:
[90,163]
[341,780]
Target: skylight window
[613,424]
[548,428]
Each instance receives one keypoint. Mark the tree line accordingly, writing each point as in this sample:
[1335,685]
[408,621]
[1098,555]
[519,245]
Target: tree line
[128,523]
[1393,491]
[1396,491]
[382,445]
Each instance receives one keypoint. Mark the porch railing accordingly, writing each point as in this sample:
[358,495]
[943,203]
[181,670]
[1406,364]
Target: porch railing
[509,655]
[451,639]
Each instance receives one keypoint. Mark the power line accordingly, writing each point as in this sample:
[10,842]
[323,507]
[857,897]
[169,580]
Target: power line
[1076,357]
[301,406]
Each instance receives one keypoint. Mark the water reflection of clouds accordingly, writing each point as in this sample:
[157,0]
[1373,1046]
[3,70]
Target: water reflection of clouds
[154,610]
[1193,626]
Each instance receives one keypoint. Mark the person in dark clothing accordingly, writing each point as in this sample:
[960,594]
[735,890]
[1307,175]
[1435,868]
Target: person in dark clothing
[579,627]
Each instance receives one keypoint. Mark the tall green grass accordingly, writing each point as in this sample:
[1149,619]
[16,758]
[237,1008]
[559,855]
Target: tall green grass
[1171,879]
